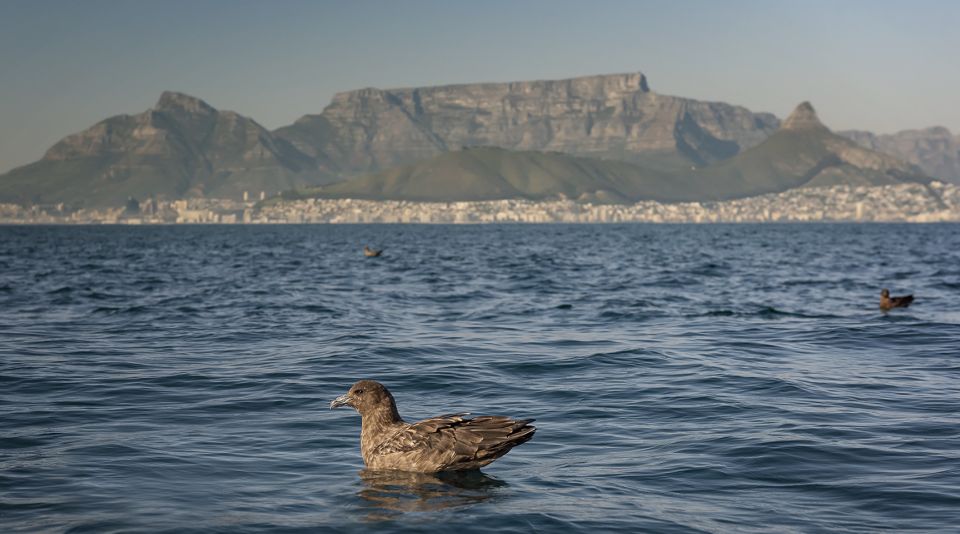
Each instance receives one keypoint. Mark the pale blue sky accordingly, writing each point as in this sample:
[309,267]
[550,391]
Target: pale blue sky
[64,65]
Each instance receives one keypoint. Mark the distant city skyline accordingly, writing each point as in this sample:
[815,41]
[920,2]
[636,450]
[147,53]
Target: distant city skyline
[882,66]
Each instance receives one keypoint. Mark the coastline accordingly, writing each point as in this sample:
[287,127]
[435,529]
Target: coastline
[912,203]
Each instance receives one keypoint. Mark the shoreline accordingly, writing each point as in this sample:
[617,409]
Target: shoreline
[910,203]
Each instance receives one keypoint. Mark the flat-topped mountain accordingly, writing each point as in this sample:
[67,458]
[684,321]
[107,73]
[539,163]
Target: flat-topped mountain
[612,117]
[935,150]
[182,147]
[802,153]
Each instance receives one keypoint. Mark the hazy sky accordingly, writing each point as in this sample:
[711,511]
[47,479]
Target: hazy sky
[64,65]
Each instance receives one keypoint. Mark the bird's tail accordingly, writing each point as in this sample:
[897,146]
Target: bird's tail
[500,434]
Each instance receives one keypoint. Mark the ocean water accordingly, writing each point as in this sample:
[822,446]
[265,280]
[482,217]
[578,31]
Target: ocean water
[716,378]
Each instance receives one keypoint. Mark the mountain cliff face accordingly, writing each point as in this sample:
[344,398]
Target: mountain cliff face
[182,147]
[935,150]
[802,153]
[611,117]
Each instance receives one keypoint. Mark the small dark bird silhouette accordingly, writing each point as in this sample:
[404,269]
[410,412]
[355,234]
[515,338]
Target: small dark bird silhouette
[371,253]
[887,302]
[446,443]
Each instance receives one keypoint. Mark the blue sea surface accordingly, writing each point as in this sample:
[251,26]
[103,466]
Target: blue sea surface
[684,378]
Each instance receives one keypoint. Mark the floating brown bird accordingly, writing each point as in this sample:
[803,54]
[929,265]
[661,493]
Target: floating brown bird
[445,443]
[887,302]
[371,253]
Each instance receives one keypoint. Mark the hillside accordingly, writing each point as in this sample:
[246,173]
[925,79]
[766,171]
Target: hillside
[489,173]
[182,147]
[802,153]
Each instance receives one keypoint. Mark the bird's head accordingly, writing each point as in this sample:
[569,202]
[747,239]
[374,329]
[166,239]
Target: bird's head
[885,292]
[365,396]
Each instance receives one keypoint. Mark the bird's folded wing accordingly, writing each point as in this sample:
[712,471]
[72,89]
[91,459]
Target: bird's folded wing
[459,439]
[418,435]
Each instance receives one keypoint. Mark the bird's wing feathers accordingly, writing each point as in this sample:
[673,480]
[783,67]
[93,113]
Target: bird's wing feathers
[417,435]
[902,301]
[468,443]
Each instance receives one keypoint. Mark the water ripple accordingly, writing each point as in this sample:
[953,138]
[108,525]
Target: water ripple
[684,378]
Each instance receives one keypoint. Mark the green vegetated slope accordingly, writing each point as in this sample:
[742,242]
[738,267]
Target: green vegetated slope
[493,173]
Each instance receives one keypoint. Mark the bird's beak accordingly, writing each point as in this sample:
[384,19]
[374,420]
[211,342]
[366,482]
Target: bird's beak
[342,400]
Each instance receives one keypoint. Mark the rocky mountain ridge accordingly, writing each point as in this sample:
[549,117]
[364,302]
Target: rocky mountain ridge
[185,148]
[935,150]
[613,116]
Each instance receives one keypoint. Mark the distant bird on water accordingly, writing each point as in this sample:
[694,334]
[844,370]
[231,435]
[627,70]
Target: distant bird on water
[445,443]
[371,253]
[887,302]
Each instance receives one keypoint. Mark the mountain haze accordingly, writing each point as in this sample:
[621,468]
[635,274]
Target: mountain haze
[935,150]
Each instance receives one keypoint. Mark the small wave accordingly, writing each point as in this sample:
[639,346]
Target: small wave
[99,295]
[716,313]
[63,290]
[946,285]
[768,312]
[121,310]
[709,269]
[317,308]
[106,450]
[674,282]
[628,357]
[613,315]
[20,442]
[832,282]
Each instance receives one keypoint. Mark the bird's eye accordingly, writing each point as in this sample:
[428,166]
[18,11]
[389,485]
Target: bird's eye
[359,392]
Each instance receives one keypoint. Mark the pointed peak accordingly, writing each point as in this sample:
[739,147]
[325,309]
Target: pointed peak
[174,101]
[804,117]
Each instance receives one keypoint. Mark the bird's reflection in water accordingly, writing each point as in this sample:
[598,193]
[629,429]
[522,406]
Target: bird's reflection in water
[389,493]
